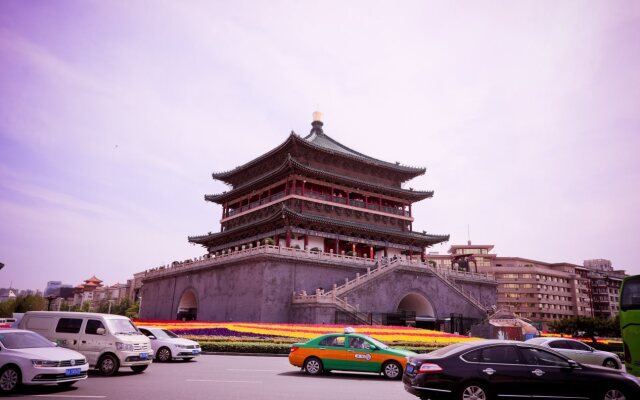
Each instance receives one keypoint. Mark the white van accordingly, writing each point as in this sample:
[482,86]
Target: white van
[108,341]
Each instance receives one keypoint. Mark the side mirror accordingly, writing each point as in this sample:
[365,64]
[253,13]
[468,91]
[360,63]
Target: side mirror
[101,331]
[572,364]
[152,337]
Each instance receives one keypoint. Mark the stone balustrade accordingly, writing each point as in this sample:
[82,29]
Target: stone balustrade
[374,266]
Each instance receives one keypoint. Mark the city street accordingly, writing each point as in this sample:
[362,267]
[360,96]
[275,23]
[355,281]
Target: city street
[228,378]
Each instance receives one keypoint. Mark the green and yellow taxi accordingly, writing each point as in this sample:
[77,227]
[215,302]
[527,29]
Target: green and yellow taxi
[348,351]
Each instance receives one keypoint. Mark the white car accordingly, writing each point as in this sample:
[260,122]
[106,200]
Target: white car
[28,358]
[579,351]
[167,345]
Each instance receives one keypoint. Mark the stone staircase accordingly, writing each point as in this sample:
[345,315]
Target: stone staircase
[336,295]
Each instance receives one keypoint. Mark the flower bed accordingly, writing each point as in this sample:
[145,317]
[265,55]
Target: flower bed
[277,338]
[598,340]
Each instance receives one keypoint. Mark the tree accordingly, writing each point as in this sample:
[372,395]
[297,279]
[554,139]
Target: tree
[22,304]
[587,326]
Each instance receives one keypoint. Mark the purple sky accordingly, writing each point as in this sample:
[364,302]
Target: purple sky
[114,114]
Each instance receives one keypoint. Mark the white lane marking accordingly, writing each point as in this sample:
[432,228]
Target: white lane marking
[253,370]
[220,381]
[66,396]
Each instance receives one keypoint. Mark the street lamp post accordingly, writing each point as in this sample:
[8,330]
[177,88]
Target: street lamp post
[50,299]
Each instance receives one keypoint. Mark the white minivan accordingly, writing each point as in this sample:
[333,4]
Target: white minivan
[108,341]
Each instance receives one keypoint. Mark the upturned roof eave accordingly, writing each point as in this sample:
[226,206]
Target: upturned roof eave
[288,212]
[410,171]
[291,164]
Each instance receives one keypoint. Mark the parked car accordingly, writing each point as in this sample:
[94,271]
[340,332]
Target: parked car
[167,345]
[7,322]
[348,351]
[27,358]
[497,369]
[579,351]
[108,341]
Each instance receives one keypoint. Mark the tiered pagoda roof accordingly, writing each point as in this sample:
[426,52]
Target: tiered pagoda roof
[316,141]
[325,162]
[284,216]
[290,165]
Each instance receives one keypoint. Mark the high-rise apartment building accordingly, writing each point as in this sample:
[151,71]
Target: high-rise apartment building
[540,291]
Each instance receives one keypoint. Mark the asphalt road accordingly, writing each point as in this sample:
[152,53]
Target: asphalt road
[224,377]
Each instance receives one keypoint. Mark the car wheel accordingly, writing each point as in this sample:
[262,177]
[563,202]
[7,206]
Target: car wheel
[614,394]
[164,354]
[108,365]
[473,391]
[392,370]
[9,379]
[139,368]
[313,366]
[610,363]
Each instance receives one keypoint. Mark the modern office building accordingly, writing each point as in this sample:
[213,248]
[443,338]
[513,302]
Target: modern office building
[539,291]
[605,285]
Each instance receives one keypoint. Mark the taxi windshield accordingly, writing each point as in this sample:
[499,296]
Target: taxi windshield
[377,343]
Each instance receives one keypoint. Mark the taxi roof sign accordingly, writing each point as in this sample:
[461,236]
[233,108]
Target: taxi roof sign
[349,329]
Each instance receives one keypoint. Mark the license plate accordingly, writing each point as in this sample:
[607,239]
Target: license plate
[409,368]
[144,356]
[195,351]
[72,372]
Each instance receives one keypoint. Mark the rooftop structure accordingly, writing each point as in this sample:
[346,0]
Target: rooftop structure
[315,192]
[314,231]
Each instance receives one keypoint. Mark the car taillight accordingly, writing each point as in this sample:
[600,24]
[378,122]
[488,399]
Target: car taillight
[293,348]
[627,353]
[429,368]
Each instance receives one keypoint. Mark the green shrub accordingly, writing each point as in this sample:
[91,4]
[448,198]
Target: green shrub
[246,347]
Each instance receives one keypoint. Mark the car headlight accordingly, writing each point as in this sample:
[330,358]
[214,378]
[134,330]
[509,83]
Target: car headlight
[124,346]
[44,363]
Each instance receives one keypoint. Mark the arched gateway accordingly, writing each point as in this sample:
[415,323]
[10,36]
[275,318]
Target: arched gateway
[188,306]
[418,303]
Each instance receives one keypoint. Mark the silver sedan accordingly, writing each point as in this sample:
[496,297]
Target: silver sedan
[579,351]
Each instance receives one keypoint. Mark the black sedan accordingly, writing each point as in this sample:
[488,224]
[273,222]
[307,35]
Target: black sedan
[503,369]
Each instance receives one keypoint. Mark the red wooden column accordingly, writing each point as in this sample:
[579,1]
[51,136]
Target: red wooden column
[371,252]
[409,209]
[288,238]
[306,241]
[353,248]
[303,183]
[337,245]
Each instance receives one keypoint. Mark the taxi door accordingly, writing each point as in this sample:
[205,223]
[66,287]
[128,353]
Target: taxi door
[361,355]
[331,351]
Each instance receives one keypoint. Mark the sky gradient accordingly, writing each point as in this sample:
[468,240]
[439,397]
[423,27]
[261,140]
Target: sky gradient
[113,116]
